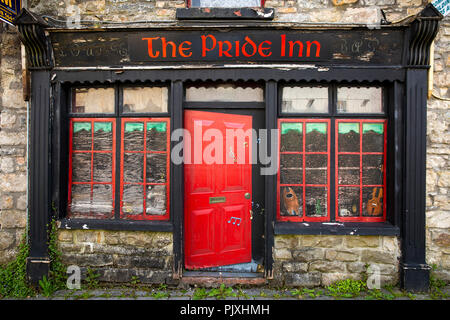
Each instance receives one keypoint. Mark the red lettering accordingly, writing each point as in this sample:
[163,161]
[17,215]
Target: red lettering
[225,52]
[283,45]
[204,48]
[150,49]
[308,48]
[237,48]
[250,42]
[261,49]
[292,45]
[164,47]
[181,49]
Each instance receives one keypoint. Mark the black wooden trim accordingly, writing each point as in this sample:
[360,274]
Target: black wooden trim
[225,13]
[40,180]
[347,228]
[219,73]
[415,272]
[270,180]
[116,225]
[177,182]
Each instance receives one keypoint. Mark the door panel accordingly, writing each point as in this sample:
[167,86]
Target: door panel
[217,213]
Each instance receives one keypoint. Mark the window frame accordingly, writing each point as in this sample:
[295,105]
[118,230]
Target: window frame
[118,116]
[334,118]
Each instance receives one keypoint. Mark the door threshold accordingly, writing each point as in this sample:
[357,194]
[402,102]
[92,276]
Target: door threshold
[213,278]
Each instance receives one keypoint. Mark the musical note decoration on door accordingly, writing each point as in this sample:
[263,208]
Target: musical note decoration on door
[235,219]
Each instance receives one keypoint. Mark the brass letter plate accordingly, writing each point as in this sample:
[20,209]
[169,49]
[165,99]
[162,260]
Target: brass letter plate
[217,199]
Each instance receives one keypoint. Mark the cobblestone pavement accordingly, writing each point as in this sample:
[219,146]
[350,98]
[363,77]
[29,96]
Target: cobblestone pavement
[235,293]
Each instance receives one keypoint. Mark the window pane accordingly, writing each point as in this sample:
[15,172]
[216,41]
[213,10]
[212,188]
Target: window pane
[349,165]
[81,167]
[372,173]
[316,201]
[316,168]
[102,167]
[373,202]
[133,199]
[291,201]
[291,136]
[224,92]
[81,199]
[156,200]
[103,138]
[156,168]
[102,198]
[156,136]
[82,136]
[348,202]
[373,137]
[305,100]
[145,99]
[134,136]
[133,167]
[291,169]
[348,137]
[316,137]
[225,3]
[93,100]
[359,100]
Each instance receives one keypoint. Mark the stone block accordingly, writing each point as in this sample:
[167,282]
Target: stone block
[378,257]
[362,241]
[327,266]
[330,278]
[140,262]
[306,280]
[438,219]
[321,241]
[346,256]
[308,254]
[13,182]
[286,241]
[7,239]
[87,260]
[13,219]
[282,254]
[295,267]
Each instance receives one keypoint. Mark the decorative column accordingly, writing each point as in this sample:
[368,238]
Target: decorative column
[38,49]
[414,270]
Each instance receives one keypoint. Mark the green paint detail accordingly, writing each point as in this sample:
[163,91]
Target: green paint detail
[376,127]
[158,126]
[286,126]
[78,126]
[134,126]
[105,126]
[320,127]
[347,127]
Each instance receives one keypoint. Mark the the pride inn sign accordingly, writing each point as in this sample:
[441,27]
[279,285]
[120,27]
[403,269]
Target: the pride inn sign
[9,9]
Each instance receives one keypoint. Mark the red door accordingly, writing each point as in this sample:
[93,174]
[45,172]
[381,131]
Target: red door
[217,193]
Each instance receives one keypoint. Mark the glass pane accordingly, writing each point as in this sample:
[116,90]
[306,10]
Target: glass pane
[134,136]
[348,137]
[348,169]
[372,169]
[359,100]
[132,200]
[291,201]
[373,137]
[372,201]
[348,201]
[102,167]
[103,137]
[156,168]
[291,169]
[145,99]
[291,136]
[316,137]
[102,198]
[156,136]
[316,202]
[82,136]
[133,167]
[305,100]
[156,200]
[225,92]
[81,198]
[225,3]
[81,167]
[93,100]
[316,168]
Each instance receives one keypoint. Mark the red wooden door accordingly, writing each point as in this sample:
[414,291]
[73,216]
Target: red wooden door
[217,193]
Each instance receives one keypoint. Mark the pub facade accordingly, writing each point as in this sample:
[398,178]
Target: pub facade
[228,147]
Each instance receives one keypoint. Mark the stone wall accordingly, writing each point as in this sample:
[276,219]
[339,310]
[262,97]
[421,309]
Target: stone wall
[13,139]
[309,261]
[13,142]
[119,255]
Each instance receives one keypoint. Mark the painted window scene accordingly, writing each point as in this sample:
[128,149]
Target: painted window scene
[303,188]
[91,176]
[224,3]
[360,168]
[145,169]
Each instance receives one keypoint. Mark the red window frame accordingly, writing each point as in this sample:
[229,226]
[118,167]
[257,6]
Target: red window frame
[360,218]
[304,185]
[144,215]
[188,4]
[92,121]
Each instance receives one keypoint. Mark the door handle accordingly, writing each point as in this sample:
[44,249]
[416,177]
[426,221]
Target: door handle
[251,214]
[247,195]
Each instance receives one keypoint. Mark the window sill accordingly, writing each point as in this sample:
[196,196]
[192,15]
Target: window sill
[116,225]
[225,13]
[329,228]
